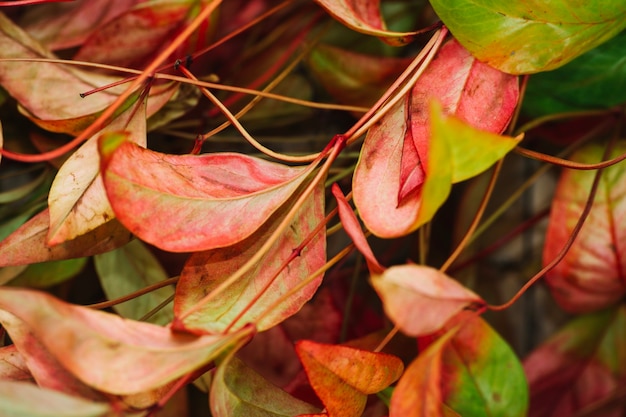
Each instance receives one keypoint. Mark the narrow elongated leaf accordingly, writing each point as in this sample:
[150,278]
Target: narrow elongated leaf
[343,376]
[107,352]
[420,299]
[189,202]
[77,199]
[20,399]
[29,243]
[595,80]
[269,280]
[591,276]
[403,174]
[582,366]
[530,36]
[364,16]
[132,268]
[238,391]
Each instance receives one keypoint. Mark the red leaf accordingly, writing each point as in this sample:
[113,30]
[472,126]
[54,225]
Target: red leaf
[593,273]
[421,299]
[189,202]
[269,280]
[29,243]
[582,366]
[390,173]
[103,350]
[353,229]
[343,376]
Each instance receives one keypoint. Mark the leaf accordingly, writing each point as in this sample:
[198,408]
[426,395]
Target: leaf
[594,80]
[12,365]
[77,199]
[590,277]
[530,36]
[107,352]
[582,366]
[131,268]
[473,363]
[472,151]
[47,274]
[418,393]
[353,78]
[28,244]
[20,399]
[420,299]
[364,16]
[131,38]
[269,280]
[343,376]
[193,202]
[403,174]
[353,229]
[238,391]
[65,25]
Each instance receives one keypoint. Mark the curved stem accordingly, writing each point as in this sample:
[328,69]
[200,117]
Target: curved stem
[566,163]
[132,296]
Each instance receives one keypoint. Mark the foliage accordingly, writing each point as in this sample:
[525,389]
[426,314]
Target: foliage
[236,271]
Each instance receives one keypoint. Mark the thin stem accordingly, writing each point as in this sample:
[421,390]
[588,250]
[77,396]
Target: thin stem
[387,338]
[559,116]
[158,308]
[29,2]
[566,163]
[133,295]
[479,214]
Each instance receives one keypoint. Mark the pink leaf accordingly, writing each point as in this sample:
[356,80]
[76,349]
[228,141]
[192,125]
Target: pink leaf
[190,203]
[421,299]
[12,365]
[103,350]
[269,280]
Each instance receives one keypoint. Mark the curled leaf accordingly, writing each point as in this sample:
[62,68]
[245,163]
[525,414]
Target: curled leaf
[189,202]
[421,299]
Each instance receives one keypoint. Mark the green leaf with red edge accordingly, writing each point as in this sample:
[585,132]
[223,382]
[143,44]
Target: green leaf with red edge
[364,16]
[473,363]
[529,36]
[29,243]
[581,368]
[134,36]
[238,391]
[403,174]
[21,399]
[66,25]
[343,376]
[353,78]
[420,299]
[590,277]
[278,272]
[185,203]
[353,229]
[103,350]
[77,200]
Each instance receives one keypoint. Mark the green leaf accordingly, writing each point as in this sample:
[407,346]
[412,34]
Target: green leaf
[129,269]
[532,35]
[472,151]
[595,80]
[238,391]
[46,274]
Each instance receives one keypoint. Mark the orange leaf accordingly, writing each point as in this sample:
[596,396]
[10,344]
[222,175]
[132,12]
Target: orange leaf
[193,202]
[343,376]
[420,299]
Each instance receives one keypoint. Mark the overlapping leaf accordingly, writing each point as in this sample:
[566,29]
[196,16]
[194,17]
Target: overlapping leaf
[238,391]
[530,36]
[132,268]
[191,203]
[400,160]
[77,199]
[12,365]
[582,367]
[107,352]
[271,278]
[364,16]
[29,243]
[591,276]
[343,376]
